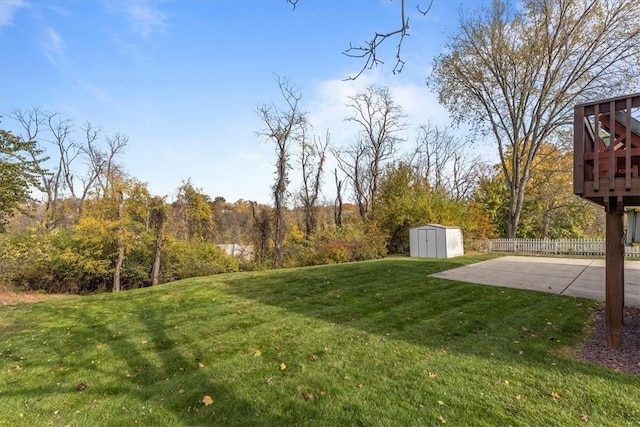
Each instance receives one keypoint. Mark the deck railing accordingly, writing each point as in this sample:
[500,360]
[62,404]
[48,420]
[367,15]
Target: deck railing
[606,158]
[556,247]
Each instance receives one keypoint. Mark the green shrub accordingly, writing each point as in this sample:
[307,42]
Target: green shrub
[53,262]
[343,244]
[182,259]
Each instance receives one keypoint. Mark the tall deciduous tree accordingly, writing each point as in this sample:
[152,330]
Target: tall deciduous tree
[517,73]
[192,216]
[283,127]
[18,174]
[157,218]
[550,209]
[445,162]
[312,157]
[66,180]
[379,119]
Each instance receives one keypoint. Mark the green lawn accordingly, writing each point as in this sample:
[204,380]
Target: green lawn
[365,344]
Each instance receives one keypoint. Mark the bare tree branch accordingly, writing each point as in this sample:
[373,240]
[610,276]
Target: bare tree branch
[369,50]
[293,3]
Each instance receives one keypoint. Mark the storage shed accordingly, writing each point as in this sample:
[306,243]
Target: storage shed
[435,241]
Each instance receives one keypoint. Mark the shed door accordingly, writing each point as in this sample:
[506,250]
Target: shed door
[422,242]
[432,244]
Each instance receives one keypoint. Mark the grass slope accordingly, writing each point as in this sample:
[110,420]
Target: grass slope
[372,343]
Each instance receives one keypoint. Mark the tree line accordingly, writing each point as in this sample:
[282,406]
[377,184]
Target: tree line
[512,74]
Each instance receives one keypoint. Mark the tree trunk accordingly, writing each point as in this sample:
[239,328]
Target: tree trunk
[120,247]
[155,271]
[338,204]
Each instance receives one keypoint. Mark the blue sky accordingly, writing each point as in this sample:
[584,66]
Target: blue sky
[182,79]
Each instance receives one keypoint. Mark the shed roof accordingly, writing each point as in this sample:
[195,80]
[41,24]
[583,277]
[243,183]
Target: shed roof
[437,226]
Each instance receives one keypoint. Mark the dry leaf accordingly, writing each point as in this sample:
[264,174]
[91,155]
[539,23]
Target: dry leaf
[360,385]
[143,341]
[283,366]
[442,420]
[440,402]
[555,395]
[200,365]
[257,353]
[518,397]
[207,400]
[308,396]
[81,386]
[432,375]
[181,391]
[584,418]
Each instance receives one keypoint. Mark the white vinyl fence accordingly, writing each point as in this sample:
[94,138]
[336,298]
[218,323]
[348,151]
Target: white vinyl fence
[557,247]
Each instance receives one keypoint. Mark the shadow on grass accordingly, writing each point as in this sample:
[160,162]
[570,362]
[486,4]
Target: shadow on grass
[91,361]
[395,298]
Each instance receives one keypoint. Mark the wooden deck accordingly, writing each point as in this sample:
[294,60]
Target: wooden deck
[607,151]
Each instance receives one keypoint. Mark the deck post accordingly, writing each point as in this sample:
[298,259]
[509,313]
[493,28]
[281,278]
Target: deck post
[614,271]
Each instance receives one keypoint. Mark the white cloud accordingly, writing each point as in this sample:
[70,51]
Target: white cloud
[145,19]
[54,47]
[328,110]
[8,9]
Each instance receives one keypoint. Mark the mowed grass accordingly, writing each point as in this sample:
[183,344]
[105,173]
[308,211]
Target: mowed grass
[365,344]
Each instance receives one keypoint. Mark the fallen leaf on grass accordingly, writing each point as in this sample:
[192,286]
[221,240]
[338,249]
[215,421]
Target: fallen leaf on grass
[200,365]
[258,353]
[181,391]
[308,396]
[432,375]
[442,420]
[584,418]
[283,366]
[518,397]
[81,386]
[360,385]
[207,400]
[555,395]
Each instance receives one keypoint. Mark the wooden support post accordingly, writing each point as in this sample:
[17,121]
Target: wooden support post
[614,294]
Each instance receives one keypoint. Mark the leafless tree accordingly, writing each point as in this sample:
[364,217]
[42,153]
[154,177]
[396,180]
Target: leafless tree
[65,181]
[445,162]
[33,121]
[517,73]
[282,127]
[379,119]
[312,156]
